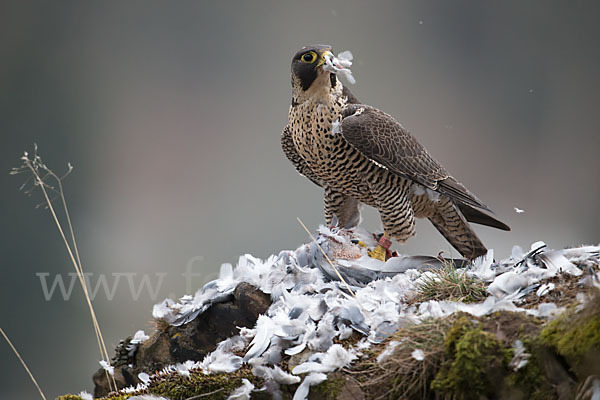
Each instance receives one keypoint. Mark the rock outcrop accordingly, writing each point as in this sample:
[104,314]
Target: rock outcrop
[193,341]
[527,327]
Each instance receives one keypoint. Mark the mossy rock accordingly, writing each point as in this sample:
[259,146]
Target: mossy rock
[475,365]
[477,356]
[169,345]
[466,357]
[531,381]
[209,387]
[575,335]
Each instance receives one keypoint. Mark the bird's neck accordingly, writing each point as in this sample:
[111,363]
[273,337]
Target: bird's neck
[320,92]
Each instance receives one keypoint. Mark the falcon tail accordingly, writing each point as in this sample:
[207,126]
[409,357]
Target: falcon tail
[452,224]
[478,217]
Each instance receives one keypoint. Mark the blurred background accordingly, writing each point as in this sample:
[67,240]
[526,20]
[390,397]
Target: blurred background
[171,114]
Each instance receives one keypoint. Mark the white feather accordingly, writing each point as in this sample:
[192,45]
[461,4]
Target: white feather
[418,355]
[556,261]
[139,337]
[107,367]
[284,378]
[184,369]
[346,55]
[340,65]
[311,380]
[509,282]
[545,289]
[243,392]
[265,327]
[221,360]
[85,395]
[161,310]
[336,127]
[546,310]
[481,267]
[388,351]
[226,279]
[336,357]
[520,357]
[144,377]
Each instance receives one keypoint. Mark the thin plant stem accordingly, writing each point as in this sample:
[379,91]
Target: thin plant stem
[77,265]
[76,249]
[23,362]
[205,394]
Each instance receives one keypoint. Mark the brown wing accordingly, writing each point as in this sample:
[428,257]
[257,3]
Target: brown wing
[383,140]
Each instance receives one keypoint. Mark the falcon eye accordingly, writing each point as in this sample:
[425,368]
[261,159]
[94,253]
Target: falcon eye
[309,57]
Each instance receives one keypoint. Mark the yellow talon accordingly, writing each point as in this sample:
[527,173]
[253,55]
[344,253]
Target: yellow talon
[378,252]
[381,251]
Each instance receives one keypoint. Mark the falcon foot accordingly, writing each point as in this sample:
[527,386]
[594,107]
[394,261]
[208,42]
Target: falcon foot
[382,251]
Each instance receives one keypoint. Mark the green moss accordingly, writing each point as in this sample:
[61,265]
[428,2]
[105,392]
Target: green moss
[329,389]
[213,387]
[475,359]
[121,396]
[460,327]
[210,387]
[573,337]
[530,382]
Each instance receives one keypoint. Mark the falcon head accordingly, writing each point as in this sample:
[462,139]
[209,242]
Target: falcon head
[307,68]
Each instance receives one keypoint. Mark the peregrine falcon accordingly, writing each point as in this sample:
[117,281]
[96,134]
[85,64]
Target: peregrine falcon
[359,154]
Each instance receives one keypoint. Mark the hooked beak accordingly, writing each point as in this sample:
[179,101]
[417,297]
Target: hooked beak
[323,58]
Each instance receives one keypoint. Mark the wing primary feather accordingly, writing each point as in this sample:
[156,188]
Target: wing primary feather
[380,138]
[476,216]
[455,190]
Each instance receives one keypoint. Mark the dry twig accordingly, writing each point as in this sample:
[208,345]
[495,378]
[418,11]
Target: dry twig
[23,362]
[41,174]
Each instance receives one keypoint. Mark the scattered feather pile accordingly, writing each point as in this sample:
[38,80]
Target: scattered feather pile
[312,310]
